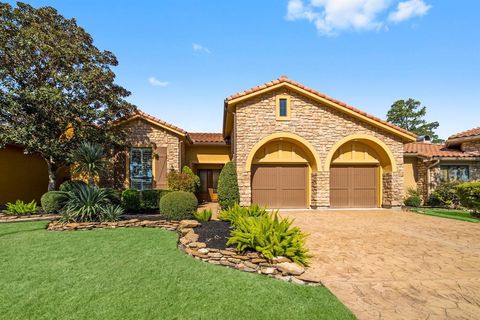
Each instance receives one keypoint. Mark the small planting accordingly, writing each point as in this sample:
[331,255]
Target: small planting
[270,235]
[183,181]
[178,205]
[469,195]
[234,213]
[53,201]
[111,213]
[444,196]
[413,199]
[131,200]
[228,192]
[204,215]
[22,208]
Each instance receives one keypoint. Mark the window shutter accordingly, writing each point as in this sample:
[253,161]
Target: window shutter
[161,168]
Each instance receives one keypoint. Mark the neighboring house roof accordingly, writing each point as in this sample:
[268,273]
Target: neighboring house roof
[152,119]
[430,150]
[465,134]
[206,137]
[286,81]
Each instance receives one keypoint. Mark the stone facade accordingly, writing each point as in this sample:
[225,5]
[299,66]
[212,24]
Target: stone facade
[470,146]
[322,126]
[141,133]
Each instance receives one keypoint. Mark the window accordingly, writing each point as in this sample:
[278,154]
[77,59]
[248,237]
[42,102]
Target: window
[455,173]
[283,107]
[140,168]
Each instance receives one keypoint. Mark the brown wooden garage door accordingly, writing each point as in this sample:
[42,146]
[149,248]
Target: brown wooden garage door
[354,187]
[280,186]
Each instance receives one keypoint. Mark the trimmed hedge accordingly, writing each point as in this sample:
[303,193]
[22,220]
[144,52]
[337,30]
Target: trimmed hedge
[178,205]
[115,196]
[53,201]
[469,195]
[150,198]
[228,193]
[131,200]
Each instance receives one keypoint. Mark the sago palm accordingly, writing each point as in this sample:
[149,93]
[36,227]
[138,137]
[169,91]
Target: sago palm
[89,160]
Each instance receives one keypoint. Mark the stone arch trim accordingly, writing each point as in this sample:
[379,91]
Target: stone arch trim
[362,137]
[289,137]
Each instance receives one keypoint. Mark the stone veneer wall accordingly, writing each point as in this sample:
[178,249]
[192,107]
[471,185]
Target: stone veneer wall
[141,133]
[322,126]
[470,146]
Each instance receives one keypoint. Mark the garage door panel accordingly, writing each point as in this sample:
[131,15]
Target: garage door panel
[280,186]
[354,186]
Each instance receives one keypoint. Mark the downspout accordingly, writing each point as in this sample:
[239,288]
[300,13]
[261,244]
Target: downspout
[433,164]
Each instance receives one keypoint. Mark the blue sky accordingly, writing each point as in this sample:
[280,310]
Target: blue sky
[180,59]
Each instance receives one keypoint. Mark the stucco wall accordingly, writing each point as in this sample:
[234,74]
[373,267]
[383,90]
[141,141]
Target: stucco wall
[321,126]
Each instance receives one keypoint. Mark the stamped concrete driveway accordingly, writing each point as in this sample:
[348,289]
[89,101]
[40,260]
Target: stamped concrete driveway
[385,264]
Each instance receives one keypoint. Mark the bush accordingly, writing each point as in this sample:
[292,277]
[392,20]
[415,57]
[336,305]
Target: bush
[270,235]
[110,213]
[413,198]
[469,195]
[150,198]
[444,196]
[131,200]
[234,213]
[115,196]
[178,205]
[85,204]
[181,181]
[68,185]
[53,201]
[195,179]
[204,215]
[228,194]
[20,207]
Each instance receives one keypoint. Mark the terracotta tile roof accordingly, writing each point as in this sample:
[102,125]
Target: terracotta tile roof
[144,115]
[430,150]
[468,133]
[284,79]
[206,137]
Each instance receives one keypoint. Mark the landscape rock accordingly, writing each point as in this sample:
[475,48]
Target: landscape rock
[291,268]
[188,224]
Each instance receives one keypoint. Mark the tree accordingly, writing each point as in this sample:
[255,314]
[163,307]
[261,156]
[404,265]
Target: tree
[54,81]
[228,192]
[410,115]
[89,160]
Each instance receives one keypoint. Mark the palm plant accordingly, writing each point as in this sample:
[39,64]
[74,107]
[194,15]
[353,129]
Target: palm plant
[85,203]
[90,160]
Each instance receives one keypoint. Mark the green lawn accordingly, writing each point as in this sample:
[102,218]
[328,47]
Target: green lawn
[447,213]
[137,274]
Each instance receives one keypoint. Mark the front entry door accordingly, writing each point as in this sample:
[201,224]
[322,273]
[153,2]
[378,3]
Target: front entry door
[208,184]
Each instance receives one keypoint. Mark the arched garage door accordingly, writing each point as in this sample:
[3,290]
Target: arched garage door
[280,185]
[354,186]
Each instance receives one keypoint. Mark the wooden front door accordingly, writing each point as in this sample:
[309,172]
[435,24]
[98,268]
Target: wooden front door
[208,184]
[280,186]
[354,186]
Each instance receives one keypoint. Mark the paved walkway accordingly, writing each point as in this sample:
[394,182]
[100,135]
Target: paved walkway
[385,264]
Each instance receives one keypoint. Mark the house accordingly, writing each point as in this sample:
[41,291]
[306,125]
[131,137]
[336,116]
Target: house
[427,165]
[293,147]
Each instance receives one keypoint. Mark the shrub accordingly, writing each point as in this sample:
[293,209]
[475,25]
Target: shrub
[150,198]
[178,205]
[20,207]
[114,195]
[68,185]
[234,213]
[204,215]
[110,213]
[228,194]
[131,200]
[469,195]
[181,181]
[413,198]
[445,196]
[195,179]
[270,235]
[87,203]
[53,201]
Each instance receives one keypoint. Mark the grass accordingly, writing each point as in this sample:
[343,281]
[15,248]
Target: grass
[448,213]
[137,273]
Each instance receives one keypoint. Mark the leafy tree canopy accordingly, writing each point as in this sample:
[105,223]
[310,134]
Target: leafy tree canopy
[53,78]
[410,115]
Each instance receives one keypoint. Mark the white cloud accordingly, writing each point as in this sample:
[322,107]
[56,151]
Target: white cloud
[409,9]
[155,82]
[199,48]
[330,17]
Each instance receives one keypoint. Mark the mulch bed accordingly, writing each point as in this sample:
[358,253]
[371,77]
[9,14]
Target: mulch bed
[214,234]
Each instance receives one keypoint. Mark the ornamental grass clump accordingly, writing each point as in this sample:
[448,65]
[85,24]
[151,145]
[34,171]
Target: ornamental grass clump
[270,235]
[204,215]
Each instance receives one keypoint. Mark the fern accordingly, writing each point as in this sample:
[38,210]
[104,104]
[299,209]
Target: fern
[204,215]
[21,208]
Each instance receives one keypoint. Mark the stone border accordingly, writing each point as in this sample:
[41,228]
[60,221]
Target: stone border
[280,267]
[26,217]
[164,224]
